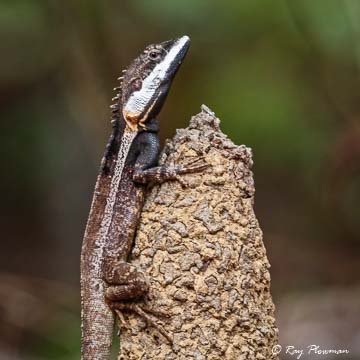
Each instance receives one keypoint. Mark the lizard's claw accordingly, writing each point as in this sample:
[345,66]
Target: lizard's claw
[154,312]
[193,166]
[197,165]
[182,182]
[143,312]
[122,322]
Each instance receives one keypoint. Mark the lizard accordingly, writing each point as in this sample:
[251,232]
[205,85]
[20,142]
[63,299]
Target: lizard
[128,165]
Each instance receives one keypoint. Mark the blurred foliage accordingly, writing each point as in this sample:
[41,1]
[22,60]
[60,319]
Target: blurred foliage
[283,76]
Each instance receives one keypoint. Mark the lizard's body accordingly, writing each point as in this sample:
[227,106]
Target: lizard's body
[97,317]
[128,165]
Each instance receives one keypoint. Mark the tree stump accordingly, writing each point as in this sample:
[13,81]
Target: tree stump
[200,245]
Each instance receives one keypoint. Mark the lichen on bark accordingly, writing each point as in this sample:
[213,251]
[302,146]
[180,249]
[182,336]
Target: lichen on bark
[201,248]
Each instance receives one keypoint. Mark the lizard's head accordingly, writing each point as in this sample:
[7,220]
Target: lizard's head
[147,80]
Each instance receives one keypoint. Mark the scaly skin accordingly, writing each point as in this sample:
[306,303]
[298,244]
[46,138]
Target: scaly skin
[128,165]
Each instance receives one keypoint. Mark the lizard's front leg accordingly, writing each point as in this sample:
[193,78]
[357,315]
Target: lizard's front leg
[147,170]
[162,173]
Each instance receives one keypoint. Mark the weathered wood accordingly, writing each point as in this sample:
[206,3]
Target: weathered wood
[201,248]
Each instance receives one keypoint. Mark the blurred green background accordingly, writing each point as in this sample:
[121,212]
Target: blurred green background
[284,78]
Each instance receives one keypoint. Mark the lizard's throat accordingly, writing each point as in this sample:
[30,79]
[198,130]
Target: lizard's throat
[134,120]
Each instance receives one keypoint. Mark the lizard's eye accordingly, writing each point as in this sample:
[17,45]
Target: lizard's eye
[154,55]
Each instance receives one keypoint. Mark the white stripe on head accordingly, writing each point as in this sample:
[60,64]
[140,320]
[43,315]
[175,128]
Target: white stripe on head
[140,99]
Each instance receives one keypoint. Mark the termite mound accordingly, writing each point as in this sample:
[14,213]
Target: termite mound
[201,248]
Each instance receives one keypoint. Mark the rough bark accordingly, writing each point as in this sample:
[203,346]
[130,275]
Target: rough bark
[201,248]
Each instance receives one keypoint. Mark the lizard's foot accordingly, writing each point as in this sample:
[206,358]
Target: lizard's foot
[163,173]
[143,312]
[190,167]
[125,282]
[197,165]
